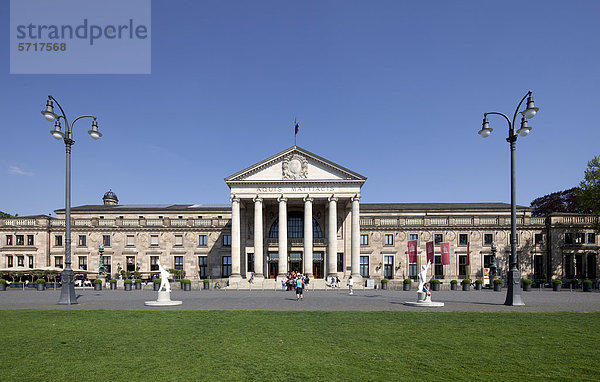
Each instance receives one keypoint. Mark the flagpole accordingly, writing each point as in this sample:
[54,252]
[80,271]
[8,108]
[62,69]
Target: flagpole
[295,133]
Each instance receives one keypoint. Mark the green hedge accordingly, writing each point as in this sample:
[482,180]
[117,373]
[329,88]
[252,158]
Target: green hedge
[454,282]
[466,282]
[435,281]
[128,281]
[186,281]
[98,281]
[113,281]
[40,281]
[407,281]
[498,282]
[527,282]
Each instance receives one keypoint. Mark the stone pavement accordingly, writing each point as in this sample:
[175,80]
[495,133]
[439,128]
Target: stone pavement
[337,299]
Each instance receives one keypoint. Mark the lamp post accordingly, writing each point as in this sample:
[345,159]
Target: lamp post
[513,294]
[67,293]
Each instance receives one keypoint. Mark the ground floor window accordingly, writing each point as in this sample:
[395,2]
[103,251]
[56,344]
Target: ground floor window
[31,262]
[538,267]
[154,263]
[569,271]
[178,262]
[388,267]
[58,261]
[203,267]
[9,261]
[412,271]
[226,266]
[462,267]
[340,262]
[364,266]
[250,263]
[106,263]
[131,264]
[592,264]
[83,262]
[20,261]
[438,268]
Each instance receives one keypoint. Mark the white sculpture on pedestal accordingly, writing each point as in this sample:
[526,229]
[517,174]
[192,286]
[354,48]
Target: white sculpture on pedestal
[164,278]
[423,293]
[164,297]
[423,276]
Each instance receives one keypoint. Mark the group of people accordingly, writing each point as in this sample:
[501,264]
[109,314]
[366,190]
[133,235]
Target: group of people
[335,282]
[295,281]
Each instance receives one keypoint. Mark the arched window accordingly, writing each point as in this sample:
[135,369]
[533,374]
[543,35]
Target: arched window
[295,227]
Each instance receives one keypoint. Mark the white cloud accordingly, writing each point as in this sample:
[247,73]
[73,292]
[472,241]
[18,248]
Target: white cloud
[17,171]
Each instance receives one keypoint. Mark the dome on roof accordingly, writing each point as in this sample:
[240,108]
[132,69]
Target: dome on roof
[110,198]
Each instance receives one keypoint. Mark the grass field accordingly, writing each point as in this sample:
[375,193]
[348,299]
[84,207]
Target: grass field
[238,345]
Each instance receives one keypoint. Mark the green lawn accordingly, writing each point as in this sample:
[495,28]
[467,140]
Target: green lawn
[95,345]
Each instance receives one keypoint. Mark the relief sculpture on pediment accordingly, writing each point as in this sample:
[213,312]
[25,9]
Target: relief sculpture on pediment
[294,166]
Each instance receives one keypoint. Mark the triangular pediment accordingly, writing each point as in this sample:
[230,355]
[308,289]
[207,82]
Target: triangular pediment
[295,165]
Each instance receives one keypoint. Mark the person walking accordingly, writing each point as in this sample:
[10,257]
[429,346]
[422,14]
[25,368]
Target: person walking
[350,284]
[306,282]
[299,289]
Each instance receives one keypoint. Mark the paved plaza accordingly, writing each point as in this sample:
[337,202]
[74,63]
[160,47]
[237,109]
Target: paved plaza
[338,299]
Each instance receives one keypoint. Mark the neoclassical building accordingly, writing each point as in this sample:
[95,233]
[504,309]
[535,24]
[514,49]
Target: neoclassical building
[297,211]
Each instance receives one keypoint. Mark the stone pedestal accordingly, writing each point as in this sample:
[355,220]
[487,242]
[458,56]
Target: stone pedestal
[424,300]
[164,299]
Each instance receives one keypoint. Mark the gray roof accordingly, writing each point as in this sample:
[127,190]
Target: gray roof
[150,208]
[437,206]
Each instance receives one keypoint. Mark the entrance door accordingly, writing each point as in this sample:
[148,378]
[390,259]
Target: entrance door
[272,265]
[318,265]
[295,264]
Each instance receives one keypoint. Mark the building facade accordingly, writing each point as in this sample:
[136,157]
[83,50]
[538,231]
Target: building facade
[297,211]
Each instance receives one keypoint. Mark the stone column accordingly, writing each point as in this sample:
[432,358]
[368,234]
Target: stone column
[332,237]
[282,236]
[308,236]
[258,238]
[355,239]
[235,238]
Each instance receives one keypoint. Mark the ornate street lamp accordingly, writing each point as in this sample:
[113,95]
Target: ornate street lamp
[67,293]
[513,294]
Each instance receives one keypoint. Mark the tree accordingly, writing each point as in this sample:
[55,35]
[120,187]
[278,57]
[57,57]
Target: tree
[5,215]
[589,194]
[560,201]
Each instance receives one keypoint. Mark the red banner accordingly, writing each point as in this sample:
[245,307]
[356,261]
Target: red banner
[429,251]
[412,251]
[445,250]
[468,253]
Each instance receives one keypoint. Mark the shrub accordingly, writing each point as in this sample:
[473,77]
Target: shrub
[454,282]
[40,281]
[186,281]
[98,281]
[407,281]
[384,281]
[128,281]
[206,281]
[434,281]
[157,281]
[478,281]
[574,282]
[138,281]
[2,281]
[113,281]
[466,282]
[527,282]
[585,282]
[556,282]
[498,282]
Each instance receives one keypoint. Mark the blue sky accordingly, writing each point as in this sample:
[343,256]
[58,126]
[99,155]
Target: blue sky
[394,90]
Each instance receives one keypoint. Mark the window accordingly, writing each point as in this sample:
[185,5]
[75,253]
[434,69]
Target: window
[20,261]
[202,242]
[462,266]
[463,239]
[106,263]
[154,240]
[538,267]
[364,266]
[389,239]
[106,240]
[364,239]
[539,239]
[388,267]
[83,262]
[29,239]
[569,269]
[414,236]
[203,267]
[591,238]
[9,261]
[579,238]
[9,240]
[340,262]
[487,261]
[179,240]
[58,261]
[250,263]
[30,262]
[439,268]
[438,238]
[154,263]
[488,238]
[58,241]
[20,240]
[226,266]
[295,227]
[568,238]
[227,240]
[178,262]
[130,240]
[82,241]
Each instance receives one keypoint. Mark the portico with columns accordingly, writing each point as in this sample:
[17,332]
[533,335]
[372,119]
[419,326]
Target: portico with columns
[295,211]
